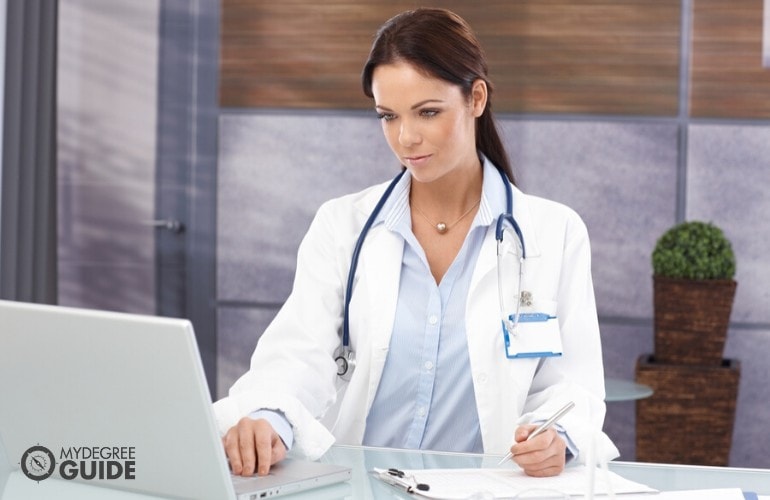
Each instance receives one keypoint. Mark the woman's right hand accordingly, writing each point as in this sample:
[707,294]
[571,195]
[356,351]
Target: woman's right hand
[253,446]
[543,456]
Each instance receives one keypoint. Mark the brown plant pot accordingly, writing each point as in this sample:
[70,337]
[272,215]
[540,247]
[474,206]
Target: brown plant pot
[691,319]
[689,417]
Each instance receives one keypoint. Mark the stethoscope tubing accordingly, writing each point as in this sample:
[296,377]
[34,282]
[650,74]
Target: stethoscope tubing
[499,229]
[357,252]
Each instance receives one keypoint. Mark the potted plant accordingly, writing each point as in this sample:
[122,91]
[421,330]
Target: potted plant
[693,290]
[694,388]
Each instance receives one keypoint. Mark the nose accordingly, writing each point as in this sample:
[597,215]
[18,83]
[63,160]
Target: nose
[408,134]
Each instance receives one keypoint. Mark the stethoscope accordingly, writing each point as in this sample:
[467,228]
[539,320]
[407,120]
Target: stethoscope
[345,357]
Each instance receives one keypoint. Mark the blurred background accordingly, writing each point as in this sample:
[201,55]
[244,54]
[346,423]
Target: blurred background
[167,156]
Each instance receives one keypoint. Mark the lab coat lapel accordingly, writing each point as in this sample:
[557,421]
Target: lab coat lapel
[381,263]
[487,261]
[372,313]
[523,215]
[497,385]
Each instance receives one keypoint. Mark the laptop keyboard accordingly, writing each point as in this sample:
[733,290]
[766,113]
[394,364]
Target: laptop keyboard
[241,479]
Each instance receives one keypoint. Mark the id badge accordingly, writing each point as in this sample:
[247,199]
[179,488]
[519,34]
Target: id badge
[536,336]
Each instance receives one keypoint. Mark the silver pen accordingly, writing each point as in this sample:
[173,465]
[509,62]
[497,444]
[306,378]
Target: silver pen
[544,426]
[400,479]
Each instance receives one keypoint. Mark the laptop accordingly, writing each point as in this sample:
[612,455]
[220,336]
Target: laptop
[120,400]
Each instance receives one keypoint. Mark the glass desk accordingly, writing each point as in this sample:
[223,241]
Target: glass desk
[363,486]
[616,389]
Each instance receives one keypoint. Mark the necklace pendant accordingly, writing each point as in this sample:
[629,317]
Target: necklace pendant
[441,228]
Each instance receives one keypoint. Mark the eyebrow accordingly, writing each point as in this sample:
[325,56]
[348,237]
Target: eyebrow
[415,106]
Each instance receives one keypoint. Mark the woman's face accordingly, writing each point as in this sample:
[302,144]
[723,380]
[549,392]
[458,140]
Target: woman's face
[428,123]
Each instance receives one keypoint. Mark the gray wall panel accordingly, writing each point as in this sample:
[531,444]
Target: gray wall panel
[274,173]
[621,178]
[239,329]
[727,176]
[110,286]
[727,180]
[104,223]
[622,345]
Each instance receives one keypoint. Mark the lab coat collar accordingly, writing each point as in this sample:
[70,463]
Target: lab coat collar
[493,204]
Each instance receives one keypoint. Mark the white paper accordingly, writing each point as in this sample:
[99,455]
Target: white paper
[718,494]
[506,483]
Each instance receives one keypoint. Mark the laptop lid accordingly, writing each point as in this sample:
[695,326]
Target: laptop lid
[114,399]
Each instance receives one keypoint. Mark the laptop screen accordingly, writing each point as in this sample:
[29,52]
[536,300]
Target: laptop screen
[108,398]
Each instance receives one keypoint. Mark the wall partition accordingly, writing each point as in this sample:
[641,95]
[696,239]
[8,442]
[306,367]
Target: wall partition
[3,8]
[28,225]
[137,163]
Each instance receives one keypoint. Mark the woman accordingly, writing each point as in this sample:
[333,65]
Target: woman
[433,369]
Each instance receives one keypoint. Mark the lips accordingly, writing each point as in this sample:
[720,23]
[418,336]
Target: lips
[417,161]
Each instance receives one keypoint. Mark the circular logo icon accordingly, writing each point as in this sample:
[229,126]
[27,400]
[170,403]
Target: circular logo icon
[38,463]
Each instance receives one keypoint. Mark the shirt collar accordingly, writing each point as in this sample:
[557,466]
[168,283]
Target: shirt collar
[396,209]
[492,195]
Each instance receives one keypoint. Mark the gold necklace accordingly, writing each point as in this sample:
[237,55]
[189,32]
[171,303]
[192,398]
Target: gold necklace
[443,227]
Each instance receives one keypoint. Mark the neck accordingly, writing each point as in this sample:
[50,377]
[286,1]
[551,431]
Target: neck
[449,196]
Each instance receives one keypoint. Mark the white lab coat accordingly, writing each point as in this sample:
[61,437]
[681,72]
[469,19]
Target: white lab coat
[293,368]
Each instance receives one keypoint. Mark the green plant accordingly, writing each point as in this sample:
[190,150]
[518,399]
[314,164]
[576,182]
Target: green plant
[694,250]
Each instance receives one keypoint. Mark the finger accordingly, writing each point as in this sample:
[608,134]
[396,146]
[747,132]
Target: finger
[279,449]
[546,461]
[531,459]
[264,448]
[539,442]
[246,446]
[522,432]
[230,442]
[549,471]
[540,448]
[539,460]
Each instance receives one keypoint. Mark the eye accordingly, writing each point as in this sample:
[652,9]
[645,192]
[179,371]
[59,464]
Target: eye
[429,113]
[386,116]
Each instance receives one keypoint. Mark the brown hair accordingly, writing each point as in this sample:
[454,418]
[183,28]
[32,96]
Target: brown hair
[442,44]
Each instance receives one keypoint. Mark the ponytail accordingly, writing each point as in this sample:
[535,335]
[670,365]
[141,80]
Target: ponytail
[488,141]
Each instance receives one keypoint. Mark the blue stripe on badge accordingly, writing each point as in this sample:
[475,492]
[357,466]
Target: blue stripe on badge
[531,317]
[545,354]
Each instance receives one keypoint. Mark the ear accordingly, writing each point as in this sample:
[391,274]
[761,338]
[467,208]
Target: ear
[479,95]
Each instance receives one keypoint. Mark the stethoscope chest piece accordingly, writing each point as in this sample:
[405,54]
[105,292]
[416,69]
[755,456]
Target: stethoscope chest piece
[346,362]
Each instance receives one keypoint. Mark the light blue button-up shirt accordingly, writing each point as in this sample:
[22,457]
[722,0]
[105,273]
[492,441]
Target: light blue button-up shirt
[425,399]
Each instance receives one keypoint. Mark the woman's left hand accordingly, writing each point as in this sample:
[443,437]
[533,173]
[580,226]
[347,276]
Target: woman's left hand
[542,456]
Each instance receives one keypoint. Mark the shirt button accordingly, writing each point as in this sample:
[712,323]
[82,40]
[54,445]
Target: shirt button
[433,320]
[428,365]
[421,411]
[482,379]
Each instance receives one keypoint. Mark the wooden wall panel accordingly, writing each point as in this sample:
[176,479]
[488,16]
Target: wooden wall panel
[727,76]
[560,56]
